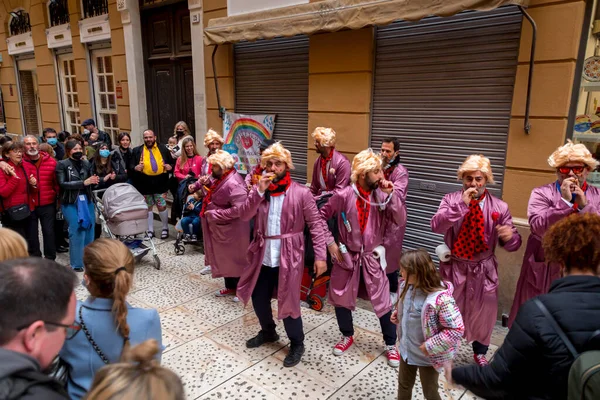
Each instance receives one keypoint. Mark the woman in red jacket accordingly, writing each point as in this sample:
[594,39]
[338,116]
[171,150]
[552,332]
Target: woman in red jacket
[18,193]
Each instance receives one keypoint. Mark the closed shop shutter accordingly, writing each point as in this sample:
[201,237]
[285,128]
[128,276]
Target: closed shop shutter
[271,77]
[444,87]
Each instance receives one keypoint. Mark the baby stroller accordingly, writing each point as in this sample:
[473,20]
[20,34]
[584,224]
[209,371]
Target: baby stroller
[181,240]
[123,213]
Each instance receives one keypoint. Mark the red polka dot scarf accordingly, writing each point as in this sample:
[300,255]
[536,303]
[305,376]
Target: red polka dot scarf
[210,189]
[363,208]
[279,188]
[324,161]
[471,236]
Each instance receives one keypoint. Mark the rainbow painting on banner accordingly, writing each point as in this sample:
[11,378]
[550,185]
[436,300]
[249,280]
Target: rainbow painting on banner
[243,135]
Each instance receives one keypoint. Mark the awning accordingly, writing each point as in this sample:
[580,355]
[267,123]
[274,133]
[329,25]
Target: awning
[334,15]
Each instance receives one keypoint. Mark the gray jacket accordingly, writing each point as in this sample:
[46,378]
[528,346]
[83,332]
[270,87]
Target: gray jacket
[21,378]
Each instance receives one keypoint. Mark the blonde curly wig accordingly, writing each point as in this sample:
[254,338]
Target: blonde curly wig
[223,159]
[211,136]
[364,162]
[325,136]
[476,162]
[571,152]
[276,151]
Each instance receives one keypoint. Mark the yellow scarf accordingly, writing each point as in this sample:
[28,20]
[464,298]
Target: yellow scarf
[148,165]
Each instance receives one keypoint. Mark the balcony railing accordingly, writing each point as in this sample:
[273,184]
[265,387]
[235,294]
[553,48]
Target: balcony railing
[94,8]
[59,12]
[19,23]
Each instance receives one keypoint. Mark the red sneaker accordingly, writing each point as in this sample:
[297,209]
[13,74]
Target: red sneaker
[393,357]
[480,360]
[343,345]
[225,292]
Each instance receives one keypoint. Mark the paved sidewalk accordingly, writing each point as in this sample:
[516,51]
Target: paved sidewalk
[205,341]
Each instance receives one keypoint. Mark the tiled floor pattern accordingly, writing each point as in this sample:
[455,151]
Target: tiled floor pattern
[205,340]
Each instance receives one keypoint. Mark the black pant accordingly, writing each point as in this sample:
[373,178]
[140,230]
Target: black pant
[231,283]
[479,348]
[344,320]
[28,229]
[393,278]
[261,300]
[46,215]
[61,232]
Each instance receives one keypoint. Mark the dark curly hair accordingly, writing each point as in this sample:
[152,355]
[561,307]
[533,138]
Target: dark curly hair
[574,242]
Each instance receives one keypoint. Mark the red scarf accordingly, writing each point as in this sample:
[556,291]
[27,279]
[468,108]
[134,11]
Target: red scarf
[210,189]
[471,236]
[324,161]
[258,170]
[363,207]
[279,188]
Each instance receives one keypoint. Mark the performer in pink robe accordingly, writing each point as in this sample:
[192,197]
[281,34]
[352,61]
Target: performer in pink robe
[473,221]
[276,255]
[252,177]
[226,190]
[362,211]
[548,204]
[396,173]
[213,142]
[331,171]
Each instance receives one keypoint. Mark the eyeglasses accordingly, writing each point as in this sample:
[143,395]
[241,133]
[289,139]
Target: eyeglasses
[71,330]
[566,170]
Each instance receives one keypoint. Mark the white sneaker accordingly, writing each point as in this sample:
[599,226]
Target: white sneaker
[205,270]
[236,299]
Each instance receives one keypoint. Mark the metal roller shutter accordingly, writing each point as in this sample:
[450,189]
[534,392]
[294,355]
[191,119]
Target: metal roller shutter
[271,77]
[444,87]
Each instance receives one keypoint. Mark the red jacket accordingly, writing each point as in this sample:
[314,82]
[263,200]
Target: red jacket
[46,179]
[17,191]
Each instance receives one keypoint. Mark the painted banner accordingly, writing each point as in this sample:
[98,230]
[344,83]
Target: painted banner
[243,135]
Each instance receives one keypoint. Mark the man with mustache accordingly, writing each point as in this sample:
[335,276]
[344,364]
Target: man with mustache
[282,208]
[396,173]
[548,204]
[473,222]
[331,171]
[363,210]
[45,210]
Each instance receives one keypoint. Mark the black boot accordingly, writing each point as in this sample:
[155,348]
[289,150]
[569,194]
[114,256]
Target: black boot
[294,356]
[261,339]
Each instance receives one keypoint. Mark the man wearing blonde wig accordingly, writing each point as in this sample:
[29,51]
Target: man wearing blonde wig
[226,191]
[473,222]
[363,210]
[282,208]
[548,204]
[331,170]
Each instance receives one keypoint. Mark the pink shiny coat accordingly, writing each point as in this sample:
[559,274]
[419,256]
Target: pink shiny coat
[394,233]
[299,208]
[336,181]
[475,281]
[345,284]
[545,209]
[218,233]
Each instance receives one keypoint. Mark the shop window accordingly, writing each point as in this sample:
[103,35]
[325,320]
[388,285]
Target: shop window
[105,93]
[70,96]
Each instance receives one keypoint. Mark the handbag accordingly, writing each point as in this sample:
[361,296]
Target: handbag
[19,212]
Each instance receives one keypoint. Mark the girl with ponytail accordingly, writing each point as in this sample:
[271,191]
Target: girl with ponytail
[109,325]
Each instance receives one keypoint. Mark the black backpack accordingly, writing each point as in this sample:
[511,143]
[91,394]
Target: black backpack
[584,374]
[17,385]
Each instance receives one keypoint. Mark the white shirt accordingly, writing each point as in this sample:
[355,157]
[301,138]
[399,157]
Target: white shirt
[482,203]
[273,246]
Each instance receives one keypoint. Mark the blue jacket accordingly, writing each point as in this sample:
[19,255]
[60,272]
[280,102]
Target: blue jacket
[144,324]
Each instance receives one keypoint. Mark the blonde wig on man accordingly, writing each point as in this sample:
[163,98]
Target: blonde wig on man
[211,136]
[364,162]
[12,245]
[571,152]
[324,136]
[276,151]
[223,159]
[476,162]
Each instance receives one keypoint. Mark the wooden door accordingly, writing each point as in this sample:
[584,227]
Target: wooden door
[169,78]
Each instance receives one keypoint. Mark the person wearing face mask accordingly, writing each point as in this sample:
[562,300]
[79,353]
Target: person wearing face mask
[47,194]
[181,131]
[473,222]
[362,212]
[50,136]
[548,204]
[396,173]
[18,195]
[76,181]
